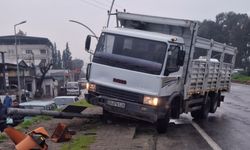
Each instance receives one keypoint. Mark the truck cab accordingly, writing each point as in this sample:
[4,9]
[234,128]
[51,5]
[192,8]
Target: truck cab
[133,70]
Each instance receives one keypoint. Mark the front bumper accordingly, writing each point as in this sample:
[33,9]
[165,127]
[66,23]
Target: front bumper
[131,109]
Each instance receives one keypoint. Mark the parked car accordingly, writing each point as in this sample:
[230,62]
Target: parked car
[63,101]
[39,104]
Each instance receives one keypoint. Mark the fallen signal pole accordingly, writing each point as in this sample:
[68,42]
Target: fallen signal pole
[68,113]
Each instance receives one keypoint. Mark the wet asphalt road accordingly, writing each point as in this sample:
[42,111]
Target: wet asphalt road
[229,127]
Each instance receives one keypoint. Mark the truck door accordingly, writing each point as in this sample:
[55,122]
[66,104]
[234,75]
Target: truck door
[175,59]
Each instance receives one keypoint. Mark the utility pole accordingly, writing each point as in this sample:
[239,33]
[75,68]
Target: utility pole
[18,70]
[109,12]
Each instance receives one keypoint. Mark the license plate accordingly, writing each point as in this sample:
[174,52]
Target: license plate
[116,104]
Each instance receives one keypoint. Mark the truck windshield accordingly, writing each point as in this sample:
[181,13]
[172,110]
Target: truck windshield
[130,53]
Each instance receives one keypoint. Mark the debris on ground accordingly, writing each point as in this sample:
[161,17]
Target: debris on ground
[33,140]
[61,133]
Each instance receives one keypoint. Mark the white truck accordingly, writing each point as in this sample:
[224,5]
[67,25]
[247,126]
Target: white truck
[72,89]
[153,69]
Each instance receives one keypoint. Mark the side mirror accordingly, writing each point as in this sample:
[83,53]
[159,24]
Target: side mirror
[181,57]
[87,43]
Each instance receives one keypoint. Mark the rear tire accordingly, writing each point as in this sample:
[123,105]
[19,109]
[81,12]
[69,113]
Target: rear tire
[203,112]
[214,103]
[162,124]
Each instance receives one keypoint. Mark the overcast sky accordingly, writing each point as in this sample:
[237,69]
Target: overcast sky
[49,18]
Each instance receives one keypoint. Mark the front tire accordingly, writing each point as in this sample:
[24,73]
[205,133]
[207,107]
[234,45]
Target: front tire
[106,116]
[162,124]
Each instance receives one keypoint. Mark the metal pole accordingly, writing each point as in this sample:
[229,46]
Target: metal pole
[18,70]
[85,27]
[109,12]
[94,35]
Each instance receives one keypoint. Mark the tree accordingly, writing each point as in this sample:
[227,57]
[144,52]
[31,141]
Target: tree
[77,64]
[54,57]
[76,68]
[59,60]
[44,68]
[232,29]
[66,57]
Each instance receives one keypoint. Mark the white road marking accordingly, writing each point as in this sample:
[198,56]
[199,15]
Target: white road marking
[209,140]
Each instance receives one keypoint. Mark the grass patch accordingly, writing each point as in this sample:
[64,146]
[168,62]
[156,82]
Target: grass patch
[81,142]
[34,120]
[3,137]
[82,102]
[241,78]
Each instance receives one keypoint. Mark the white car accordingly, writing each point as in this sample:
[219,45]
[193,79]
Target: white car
[63,101]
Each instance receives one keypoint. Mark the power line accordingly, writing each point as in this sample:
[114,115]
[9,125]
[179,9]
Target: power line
[94,4]
[101,3]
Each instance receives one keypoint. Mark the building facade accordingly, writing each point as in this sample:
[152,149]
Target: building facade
[31,51]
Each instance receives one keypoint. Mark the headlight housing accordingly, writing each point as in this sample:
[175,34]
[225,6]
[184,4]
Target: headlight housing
[149,100]
[91,87]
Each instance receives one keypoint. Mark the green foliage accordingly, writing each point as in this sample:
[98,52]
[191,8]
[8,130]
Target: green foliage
[82,103]
[2,137]
[81,142]
[232,29]
[241,78]
[56,58]
[34,120]
[59,60]
[77,64]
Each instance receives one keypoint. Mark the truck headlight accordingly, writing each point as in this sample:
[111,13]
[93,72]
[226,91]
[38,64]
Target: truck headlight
[150,100]
[91,87]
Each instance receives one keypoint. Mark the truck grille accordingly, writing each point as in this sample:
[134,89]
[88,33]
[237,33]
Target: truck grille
[119,94]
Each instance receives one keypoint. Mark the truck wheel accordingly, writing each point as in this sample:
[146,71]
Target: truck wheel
[162,124]
[106,116]
[203,112]
[214,103]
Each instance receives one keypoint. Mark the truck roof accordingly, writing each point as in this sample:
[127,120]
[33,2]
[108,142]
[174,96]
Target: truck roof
[145,34]
[124,17]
